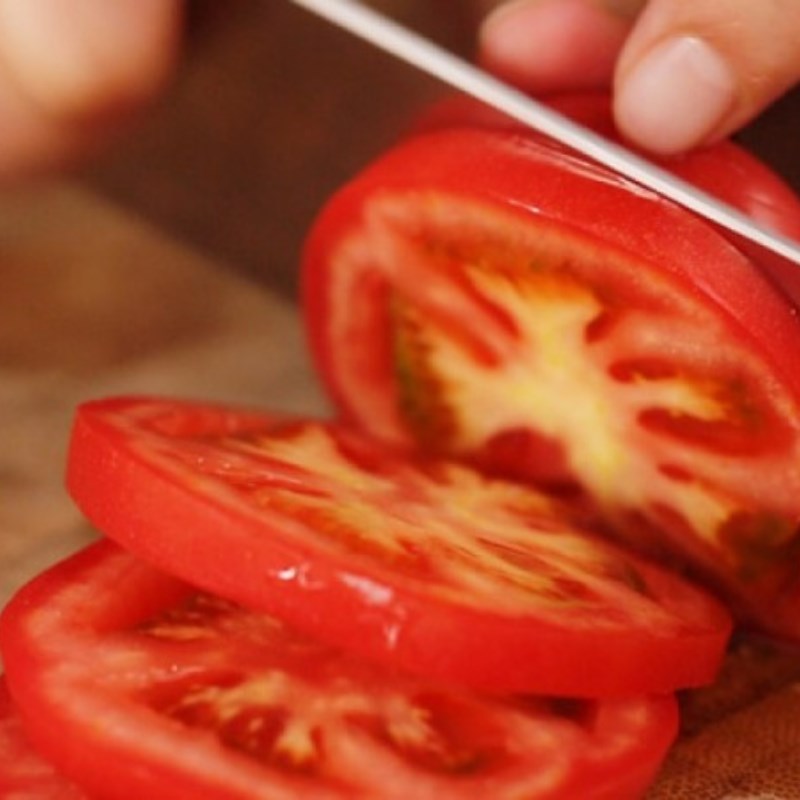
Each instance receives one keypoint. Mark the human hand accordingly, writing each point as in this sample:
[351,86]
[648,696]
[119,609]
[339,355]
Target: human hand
[683,73]
[72,70]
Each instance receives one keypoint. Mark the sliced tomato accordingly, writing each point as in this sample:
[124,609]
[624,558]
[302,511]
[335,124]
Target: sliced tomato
[723,169]
[424,565]
[139,687]
[483,294]
[24,774]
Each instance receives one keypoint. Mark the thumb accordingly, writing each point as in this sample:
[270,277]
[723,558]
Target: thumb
[692,73]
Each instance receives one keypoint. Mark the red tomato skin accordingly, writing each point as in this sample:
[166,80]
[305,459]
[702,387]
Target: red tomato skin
[206,539]
[24,774]
[725,169]
[115,750]
[521,173]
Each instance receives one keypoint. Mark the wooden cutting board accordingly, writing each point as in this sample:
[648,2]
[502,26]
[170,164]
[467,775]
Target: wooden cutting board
[93,302]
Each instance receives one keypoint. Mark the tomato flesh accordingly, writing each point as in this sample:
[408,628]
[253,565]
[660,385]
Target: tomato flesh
[419,563]
[480,294]
[137,685]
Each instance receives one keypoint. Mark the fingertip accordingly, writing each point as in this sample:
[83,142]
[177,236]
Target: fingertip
[552,45]
[676,96]
[690,74]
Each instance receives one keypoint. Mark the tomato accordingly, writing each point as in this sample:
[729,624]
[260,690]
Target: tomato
[483,294]
[138,686]
[723,169]
[424,565]
[24,774]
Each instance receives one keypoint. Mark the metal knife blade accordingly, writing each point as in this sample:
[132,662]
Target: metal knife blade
[402,43]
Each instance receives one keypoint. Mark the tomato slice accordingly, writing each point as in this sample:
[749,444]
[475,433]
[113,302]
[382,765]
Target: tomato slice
[138,686]
[482,294]
[723,169]
[424,565]
[24,774]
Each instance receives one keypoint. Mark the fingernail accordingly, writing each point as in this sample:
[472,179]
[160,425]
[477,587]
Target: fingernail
[676,96]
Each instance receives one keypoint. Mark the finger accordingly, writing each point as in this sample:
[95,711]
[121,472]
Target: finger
[70,70]
[556,45]
[692,73]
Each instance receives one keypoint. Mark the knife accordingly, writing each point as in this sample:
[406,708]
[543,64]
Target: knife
[401,42]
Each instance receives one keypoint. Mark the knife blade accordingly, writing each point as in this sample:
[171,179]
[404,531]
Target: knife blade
[405,44]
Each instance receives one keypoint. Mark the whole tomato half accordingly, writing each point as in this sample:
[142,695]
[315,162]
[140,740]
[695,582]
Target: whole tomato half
[483,293]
